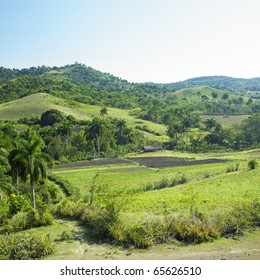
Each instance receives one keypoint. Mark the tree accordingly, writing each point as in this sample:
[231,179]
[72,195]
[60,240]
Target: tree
[5,185]
[173,131]
[120,134]
[212,124]
[51,117]
[34,161]
[65,131]
[94,131]
[225,96]
[103,112]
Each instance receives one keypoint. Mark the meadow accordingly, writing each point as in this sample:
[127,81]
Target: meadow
[205,200]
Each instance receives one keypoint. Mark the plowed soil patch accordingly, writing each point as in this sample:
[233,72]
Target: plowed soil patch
[158,162]
[94,163]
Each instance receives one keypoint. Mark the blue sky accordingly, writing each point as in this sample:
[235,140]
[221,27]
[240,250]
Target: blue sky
[138,40]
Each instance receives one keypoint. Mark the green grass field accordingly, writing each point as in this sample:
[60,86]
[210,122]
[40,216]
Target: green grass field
[226,120]
[210,191]
[209,187]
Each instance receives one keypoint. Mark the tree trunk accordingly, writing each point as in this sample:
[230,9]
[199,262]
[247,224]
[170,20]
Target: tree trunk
[67,146]
[33,194]
[17,182]
[98,139]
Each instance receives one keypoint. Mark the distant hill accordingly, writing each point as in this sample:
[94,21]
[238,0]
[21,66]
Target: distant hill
[86,85]
[82,75]
[218,82]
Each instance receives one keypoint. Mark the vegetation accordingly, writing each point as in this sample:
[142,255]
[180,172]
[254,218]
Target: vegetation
[72,142]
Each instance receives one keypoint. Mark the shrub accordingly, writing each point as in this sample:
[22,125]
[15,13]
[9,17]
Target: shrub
[100,220]
[25,246]
[18,222]
[69,209]
[18,203]
[69,190]
[31,218]
[4,213]
[252,164]
[140,236]
[178,179]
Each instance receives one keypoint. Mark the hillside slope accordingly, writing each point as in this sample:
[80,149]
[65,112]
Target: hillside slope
[36,104]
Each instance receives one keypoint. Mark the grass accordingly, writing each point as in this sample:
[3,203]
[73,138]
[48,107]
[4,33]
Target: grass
[210,195]
[226,120]
[36,104]
[191,93]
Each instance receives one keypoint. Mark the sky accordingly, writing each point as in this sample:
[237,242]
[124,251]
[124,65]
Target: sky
[158,41]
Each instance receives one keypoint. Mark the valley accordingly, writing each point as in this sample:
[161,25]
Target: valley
[80,177]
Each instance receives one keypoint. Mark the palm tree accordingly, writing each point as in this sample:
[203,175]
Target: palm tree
[35,162]
[95,130]
[17,163]
[5,186]
[121,125]
[65,131]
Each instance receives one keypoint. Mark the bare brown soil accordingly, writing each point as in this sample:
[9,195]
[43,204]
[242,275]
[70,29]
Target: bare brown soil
[158,162]
[154,162]
[97,162]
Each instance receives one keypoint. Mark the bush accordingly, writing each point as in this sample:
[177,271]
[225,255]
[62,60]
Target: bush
[233,167]
[100,220]
[69,190]
[69,209]
[178,179]
[4,213]
[31,218]
[18,203]
[139,236]
[18,222]
[25,246]
[252,164]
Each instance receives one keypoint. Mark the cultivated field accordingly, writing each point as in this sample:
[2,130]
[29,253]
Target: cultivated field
[158,186]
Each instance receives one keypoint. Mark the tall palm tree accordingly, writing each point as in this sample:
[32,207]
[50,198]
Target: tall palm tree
[121,126]
[5,184]
[35,162]
[65,131]
[95,130]
[17,163]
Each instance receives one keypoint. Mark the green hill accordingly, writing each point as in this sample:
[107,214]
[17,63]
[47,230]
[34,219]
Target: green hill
[219,82]
[36,104]
[192,93]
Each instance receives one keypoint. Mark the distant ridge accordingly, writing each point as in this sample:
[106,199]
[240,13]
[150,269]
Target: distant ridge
[82,75]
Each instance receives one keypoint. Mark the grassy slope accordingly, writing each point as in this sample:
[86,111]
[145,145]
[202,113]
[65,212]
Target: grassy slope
[36,104]
[227,120]
[191,93]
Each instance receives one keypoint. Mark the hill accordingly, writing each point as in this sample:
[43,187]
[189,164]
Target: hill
[219,82]
[36,104]
[82,75]
[78,82]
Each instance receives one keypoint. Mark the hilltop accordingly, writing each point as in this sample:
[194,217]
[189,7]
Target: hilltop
[82,75]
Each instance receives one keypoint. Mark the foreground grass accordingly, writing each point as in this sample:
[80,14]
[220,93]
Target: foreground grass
[241,248]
